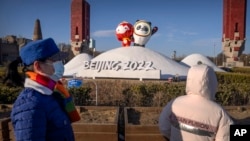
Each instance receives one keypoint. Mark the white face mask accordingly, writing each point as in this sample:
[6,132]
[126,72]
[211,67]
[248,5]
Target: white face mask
[59,70]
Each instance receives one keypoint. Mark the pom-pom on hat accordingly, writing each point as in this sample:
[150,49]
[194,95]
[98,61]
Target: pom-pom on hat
[41,49]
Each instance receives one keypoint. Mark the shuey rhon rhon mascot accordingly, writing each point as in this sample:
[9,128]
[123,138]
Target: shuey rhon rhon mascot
[124,33]
[142,32]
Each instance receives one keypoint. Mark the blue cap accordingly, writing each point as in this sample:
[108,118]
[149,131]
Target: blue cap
[39,49]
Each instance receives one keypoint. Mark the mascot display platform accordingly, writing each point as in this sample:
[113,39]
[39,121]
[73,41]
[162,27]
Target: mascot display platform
[133,62]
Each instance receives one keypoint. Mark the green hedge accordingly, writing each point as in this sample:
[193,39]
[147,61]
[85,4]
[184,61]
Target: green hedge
[9,95]
[245,70]
[81,96]
[233,89]
[228,78]
[159,95]
[233,94]
[151,94]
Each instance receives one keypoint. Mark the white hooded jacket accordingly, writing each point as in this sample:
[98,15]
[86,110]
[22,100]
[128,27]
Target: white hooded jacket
[195,116]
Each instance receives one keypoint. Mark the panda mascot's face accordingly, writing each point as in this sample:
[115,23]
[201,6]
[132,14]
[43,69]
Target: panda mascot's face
[142,28]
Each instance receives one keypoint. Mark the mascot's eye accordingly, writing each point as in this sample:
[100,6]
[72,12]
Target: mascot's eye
[138,27]
[146,29]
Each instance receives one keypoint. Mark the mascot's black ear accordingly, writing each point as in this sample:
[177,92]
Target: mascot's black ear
[137,20]
[155,29]
[149,23]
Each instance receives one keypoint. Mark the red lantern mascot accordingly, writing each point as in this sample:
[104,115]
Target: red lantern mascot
[124,33]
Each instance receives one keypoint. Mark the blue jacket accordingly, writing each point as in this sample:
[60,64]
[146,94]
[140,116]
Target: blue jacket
[39,117]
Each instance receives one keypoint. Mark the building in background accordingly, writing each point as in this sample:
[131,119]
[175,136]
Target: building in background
[11,45]
[9,48]
[234,31]
[80,26]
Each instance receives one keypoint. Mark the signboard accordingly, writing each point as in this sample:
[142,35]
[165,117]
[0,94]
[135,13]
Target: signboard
[119,69]
[118,65]
[75,83]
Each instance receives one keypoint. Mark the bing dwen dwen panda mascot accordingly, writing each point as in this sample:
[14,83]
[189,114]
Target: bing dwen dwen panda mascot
[142,32]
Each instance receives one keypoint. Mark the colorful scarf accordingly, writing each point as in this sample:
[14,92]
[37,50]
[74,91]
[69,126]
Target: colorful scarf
[60,92]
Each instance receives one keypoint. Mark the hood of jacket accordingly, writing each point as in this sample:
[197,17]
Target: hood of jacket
[201,80]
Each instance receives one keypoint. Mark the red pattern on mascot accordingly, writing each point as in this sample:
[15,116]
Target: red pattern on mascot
[124,33]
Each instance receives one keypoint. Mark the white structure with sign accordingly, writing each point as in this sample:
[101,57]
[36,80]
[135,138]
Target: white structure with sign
[130,62]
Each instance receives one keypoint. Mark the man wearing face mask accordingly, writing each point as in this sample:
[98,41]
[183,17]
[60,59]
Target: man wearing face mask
[44,109]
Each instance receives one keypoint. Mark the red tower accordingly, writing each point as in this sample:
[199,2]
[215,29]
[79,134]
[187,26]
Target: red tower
[234,30]
[80,26]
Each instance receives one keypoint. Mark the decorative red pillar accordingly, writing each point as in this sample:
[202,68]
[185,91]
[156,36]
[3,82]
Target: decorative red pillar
[234,30]
[80,25]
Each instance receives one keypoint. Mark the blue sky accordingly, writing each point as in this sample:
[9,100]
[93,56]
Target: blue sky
[184,26]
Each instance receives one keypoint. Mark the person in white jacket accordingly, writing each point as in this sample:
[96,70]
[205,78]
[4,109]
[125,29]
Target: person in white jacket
[195,116]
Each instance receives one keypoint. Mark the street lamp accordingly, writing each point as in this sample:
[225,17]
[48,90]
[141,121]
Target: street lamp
[174,55]
[223,59]
[215,60]
[96,103]
[93,51]
[246,60]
